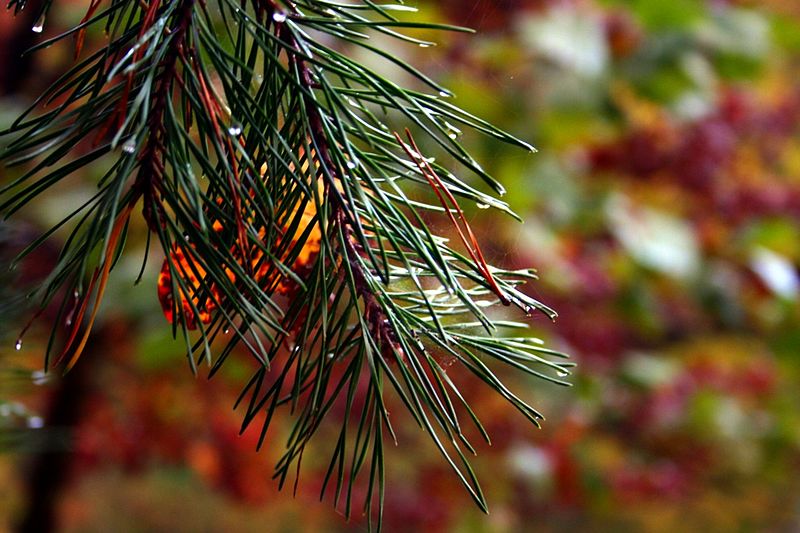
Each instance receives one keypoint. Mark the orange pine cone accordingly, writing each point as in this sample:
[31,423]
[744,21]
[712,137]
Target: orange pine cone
[205,297]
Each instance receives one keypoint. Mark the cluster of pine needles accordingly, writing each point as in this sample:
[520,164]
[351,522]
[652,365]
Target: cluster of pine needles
[293,217]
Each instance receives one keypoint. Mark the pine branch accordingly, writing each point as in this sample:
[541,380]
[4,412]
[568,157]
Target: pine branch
[266,167]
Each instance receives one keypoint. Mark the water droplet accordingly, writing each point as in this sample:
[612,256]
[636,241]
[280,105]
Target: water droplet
[226,331]
[234,130]
[424,45]
[562,373]
[35,422]
[452,131]
[129,146]
[39,377]
[331,355]
[528,310]
[18,345]
[279,17]
[351,165]
[445,94]
[482,206]
[39,26]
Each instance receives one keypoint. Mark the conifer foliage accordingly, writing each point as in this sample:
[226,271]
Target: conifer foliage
[282,181]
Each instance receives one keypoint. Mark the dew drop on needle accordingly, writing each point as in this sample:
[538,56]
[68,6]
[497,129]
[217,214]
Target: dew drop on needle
[39,26]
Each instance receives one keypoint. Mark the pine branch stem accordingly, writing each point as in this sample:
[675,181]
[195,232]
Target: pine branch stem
[342,217]
[151,169]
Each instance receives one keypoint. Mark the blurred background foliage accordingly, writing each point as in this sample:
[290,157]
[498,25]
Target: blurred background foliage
[662,212]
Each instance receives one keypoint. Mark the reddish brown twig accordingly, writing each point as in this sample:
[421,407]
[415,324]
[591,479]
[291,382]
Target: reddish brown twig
[450,203]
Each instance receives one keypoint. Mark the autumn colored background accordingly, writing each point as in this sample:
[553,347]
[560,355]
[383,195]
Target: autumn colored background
[663,214]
